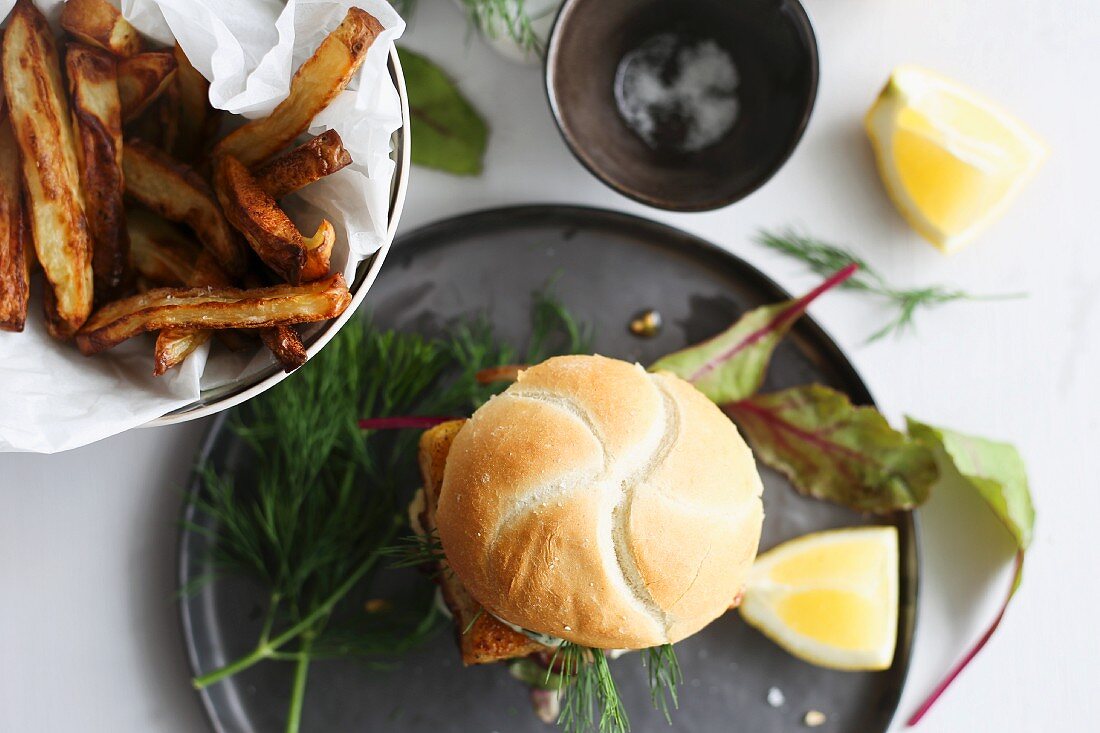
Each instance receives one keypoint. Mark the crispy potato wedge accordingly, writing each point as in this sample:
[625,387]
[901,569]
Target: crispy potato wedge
[177,193]
[160,252]
[193,308]
[142,79]
[14,239]
[318,252]
[39,114]
[322,156]
[97,127]
[174,345]
[284,343]
[316,83]
[254,214]
[198,121]
[164,255]
[100,24]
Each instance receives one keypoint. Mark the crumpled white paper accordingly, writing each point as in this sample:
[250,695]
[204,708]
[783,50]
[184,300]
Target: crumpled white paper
[54,399]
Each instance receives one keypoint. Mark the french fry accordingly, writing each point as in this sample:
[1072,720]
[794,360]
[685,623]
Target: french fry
[14,264]
[100,24]
[267,228]
[160,252]
[198,121]
[174,345]
[39,114]
[284,343]
[196,308]
[318,252]
[142,79]
[322,156]
[97,127]
[164,255]
[316,83]
[177,193]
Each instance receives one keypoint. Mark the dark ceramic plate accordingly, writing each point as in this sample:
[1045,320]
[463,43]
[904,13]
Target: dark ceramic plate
[608,265]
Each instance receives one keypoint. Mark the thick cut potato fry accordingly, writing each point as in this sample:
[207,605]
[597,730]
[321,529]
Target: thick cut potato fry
[322,156]
[318,252]
[165,256]
[14,265]
[198,121]
[160,252]
[177,193]
[267,228]
[316,83]
[166,308]
[284,343]
[98,23]
[142,79]
[39,114]
[174,345]
[97,127]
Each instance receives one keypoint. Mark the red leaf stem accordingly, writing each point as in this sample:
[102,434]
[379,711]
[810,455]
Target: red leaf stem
[794,311]
[969,657]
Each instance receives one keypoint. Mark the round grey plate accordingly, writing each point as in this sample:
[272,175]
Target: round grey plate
[607,266]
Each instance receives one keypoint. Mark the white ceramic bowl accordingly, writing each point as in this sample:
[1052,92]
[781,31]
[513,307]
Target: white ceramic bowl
[227,395]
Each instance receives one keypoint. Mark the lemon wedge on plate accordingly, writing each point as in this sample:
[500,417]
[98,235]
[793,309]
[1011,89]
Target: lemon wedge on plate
[951,160]
[829,598]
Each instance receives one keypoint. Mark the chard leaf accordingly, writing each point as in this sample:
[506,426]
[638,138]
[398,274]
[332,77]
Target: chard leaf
[995,470]
[731,366]
[447,133]
[833,450]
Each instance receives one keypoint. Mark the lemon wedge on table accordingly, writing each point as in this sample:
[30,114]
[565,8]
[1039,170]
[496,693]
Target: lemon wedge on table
[951,160]
[829,598]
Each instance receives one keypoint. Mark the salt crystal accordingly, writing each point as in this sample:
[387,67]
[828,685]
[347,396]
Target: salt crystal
[678,92]
[814,718]
[775,697]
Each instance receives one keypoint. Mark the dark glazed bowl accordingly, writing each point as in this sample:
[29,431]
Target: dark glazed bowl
[774,49]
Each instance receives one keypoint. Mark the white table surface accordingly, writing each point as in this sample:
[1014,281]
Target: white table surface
[89,637]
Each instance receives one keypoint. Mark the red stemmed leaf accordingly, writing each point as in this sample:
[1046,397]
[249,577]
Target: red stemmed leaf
[996,471]
[833,450]
[731,366]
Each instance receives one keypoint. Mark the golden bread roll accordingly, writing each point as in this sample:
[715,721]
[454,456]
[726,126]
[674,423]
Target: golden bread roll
[598,503]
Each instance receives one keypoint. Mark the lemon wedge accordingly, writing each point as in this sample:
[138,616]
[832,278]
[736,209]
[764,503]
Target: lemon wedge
[829,598]
[951,160]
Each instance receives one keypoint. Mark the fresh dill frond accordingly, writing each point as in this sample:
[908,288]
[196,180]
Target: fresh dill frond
[415,550]
[316,501]
[824,258]
[663,671]
[554,330]
[504,18]
[590,702]
[473,621]
[496,19]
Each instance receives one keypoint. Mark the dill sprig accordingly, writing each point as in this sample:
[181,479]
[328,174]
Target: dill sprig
[824,258]
[415,550]
[589,698]
[591,701]
[663,671]
[554,330]
[313,512]
[496,19]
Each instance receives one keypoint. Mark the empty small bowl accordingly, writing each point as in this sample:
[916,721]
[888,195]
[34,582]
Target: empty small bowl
[687,105]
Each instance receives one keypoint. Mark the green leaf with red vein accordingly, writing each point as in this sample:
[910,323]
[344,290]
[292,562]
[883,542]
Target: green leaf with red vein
[731,366]
[833,450]
[995,470]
